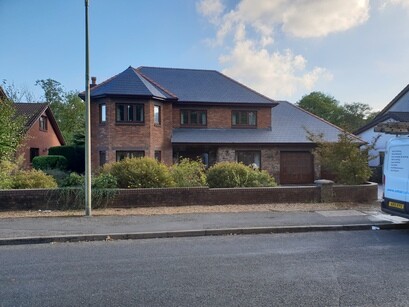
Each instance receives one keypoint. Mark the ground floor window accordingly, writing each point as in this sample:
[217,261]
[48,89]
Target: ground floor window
[158,155]
[102,158]
[122,154]
[252,158]
[34,152]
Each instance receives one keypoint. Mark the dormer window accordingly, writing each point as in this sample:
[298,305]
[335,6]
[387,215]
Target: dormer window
[43,123]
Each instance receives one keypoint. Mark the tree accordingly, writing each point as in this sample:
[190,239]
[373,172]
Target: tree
[355,115]
[322,105]
[11,129]
[346,159]
[349,117]
[17,94]
[67,107]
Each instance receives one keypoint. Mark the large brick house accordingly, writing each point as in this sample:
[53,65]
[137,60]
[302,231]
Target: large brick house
[168,113]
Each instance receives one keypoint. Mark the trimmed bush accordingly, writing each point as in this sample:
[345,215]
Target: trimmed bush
[75,156]
[141,173]
[50,162]
[233,174]
[105,181]
[73,180]
[189,173]
[33,179]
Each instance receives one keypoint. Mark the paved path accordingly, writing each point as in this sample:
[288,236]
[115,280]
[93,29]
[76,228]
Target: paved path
[49,229]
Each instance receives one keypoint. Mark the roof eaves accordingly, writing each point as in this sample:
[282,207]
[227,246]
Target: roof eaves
[246,104]
[35,116]
[54,123]
[394,100]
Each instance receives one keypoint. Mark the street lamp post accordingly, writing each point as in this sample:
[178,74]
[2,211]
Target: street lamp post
[87,121]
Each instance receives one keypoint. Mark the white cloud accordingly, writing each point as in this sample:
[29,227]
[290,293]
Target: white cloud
[403,3]
[248,33]
[272,74]
[211,9]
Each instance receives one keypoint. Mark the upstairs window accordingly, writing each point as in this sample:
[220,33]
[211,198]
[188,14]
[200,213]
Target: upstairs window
[102,113]
[193,118]
[129,113]
[156,115]
[43,123]
[244,118]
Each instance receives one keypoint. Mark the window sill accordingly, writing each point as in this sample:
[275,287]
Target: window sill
[193,126]
[129,124]
[243,127]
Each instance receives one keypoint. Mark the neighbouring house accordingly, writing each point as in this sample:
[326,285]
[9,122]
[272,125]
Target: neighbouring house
[42,131]
[168,113]
[396,111]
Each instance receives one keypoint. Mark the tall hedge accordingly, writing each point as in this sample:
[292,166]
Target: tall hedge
[74,154]
[50,162]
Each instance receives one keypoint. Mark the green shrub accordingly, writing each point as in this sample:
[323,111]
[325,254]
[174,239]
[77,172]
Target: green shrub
[7,171]
[345,159]
[105,181]
[189,173]
[73,180]
[50,162]
[59,175]
[232,174]
[75,156]
[33,179]
[141,173]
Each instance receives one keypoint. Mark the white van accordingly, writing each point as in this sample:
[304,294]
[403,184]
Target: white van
[396,177]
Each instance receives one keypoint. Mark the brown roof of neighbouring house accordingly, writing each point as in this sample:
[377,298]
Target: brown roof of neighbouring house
[33,111]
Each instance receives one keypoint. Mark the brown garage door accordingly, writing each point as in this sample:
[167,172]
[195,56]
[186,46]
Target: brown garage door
[296,167]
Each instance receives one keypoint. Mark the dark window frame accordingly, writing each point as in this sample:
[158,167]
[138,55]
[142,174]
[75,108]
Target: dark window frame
[102,119]
[189,118]
[159,122]
[158,155]
[132,107]
[34,152]
[239,117]
[43,123]
[258,152]
[129,154]
[102,157]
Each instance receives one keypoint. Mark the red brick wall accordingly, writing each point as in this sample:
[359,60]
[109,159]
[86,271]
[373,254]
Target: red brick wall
[36,138]
[147,137]
[220,117]
[35,199]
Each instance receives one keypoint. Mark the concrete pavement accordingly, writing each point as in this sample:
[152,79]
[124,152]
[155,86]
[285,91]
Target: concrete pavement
[74,229]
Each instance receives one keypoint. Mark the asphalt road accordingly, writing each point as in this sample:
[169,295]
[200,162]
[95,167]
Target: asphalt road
[354,268]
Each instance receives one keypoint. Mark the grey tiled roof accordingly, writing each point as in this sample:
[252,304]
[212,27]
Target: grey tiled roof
[207,86]
[127,83]
[289,125]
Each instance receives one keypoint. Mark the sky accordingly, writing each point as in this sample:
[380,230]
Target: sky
[353,50]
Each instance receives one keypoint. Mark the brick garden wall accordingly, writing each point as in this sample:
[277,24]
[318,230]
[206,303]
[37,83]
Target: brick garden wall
[43,199]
